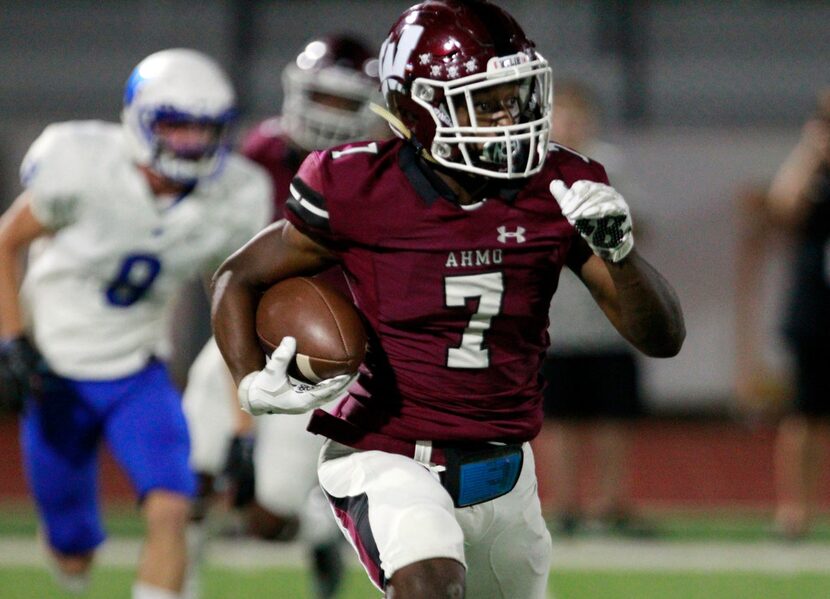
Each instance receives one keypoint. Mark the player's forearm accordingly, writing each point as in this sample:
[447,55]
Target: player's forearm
[233,320]
[18,228]
[791,188]
[11,316]
[279,251]
[650,315]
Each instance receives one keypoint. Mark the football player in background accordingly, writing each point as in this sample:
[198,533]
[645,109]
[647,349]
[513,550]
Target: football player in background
[452,238]
[798,204]
[327,90]
[116,218]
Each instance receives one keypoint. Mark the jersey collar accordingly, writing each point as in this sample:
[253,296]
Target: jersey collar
[431,187]
[427,184]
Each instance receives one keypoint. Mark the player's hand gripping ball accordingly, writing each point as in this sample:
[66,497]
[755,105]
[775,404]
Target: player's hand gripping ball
[330,336]
[315,341]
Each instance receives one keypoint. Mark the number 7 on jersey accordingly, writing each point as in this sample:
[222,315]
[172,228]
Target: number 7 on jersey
[489,289]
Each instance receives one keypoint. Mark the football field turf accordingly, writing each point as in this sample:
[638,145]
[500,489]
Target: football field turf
[704,556]
[292,583]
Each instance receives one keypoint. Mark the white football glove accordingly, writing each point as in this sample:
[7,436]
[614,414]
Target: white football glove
[600,214]
[272,391]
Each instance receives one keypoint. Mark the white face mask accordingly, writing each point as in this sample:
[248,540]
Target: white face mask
[326,107]
[495,123]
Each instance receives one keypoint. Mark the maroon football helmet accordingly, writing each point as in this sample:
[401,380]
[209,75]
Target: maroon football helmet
[327,91]
[445,55]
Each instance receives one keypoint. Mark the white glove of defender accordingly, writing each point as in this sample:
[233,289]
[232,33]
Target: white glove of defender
[272,391]
[600,214]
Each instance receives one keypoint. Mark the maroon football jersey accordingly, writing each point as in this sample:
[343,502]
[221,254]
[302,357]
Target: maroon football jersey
[267,145]
[456,297]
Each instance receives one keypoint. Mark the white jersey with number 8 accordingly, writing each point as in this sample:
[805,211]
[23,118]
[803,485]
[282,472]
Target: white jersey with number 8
[96,291]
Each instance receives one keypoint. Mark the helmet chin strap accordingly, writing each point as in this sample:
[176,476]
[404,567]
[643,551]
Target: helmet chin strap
[401,129]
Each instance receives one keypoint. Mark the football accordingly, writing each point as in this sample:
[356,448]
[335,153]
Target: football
[331,338]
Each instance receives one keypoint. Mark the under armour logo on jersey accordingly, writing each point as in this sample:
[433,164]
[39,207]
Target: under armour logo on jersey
[518,234]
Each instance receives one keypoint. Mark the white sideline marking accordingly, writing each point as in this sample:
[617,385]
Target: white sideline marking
[616,554]
[590,554]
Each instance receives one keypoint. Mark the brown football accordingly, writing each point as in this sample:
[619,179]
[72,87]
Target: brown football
[331,339]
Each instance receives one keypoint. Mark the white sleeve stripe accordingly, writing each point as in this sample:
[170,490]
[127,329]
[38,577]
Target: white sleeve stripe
[306,204]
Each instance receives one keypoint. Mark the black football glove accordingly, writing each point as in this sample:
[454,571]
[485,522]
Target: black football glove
[19,375]
[239,469]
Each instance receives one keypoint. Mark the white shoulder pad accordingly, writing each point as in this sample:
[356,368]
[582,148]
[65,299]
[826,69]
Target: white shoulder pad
[249,195]
[62,163]
[245,202]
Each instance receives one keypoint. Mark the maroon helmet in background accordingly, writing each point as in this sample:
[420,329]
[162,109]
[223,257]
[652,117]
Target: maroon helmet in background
[327,91]
[437,56]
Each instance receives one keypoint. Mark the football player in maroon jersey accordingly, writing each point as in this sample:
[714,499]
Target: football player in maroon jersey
[452,238]
[326,90]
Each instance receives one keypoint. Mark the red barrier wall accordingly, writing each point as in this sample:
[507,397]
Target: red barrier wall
[689,463]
